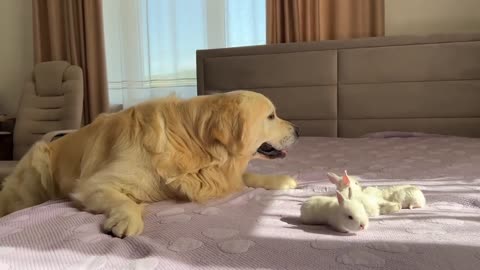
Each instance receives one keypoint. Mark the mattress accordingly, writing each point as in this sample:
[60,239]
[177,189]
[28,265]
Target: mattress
[259,229]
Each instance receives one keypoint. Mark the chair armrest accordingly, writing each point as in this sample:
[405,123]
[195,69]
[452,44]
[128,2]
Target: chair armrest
[50,136]
[7,123]
[4,118]
[6,147]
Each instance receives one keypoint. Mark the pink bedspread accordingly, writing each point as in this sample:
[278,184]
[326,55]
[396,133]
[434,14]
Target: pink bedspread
[259,229]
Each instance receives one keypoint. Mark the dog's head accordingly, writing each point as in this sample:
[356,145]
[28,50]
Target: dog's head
[246,123]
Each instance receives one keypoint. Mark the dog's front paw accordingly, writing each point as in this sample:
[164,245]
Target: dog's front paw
[122,223]
[282,182]
[287,182]
[272,182]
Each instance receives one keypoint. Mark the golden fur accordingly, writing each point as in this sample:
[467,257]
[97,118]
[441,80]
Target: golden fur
[195,149]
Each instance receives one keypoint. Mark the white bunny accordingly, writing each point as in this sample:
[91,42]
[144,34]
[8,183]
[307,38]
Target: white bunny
[344,183]
[374,203]
[343,215]
[407,196]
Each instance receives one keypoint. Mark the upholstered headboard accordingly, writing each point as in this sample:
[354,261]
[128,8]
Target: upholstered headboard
[350,88]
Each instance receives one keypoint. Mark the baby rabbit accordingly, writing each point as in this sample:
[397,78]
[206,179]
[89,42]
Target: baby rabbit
[343,215]
[375,204]
[344,182]
[348,182]
[407,196]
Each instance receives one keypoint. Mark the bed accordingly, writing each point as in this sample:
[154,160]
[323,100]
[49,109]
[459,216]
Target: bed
[390,110]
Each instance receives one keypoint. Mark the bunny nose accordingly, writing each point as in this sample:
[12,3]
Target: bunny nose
[362,226]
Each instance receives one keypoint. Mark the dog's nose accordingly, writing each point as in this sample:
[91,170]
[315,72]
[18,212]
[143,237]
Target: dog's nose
[297,131]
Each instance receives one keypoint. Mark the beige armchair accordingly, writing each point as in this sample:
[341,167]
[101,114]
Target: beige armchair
[51,105]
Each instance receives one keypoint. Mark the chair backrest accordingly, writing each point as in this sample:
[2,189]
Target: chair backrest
[51,100]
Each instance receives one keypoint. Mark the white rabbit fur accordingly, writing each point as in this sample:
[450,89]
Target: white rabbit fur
[341,214]
[370,203]
[407,196]
[374,203]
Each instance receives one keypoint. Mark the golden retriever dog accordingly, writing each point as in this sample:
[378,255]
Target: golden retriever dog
[168,149]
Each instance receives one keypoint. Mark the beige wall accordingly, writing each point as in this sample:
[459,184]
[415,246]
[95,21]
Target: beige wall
[16,51]
[407,17]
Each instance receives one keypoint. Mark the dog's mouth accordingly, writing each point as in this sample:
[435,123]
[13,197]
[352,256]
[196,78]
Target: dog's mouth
[271,152]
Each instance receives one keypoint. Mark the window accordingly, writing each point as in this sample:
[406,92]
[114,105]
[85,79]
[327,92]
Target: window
[151,44]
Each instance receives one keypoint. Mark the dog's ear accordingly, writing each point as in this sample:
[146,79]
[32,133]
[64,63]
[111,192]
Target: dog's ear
[227,123]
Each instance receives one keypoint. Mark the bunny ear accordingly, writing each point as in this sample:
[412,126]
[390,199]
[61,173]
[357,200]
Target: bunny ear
[340,198]
[346,179]
[333,178]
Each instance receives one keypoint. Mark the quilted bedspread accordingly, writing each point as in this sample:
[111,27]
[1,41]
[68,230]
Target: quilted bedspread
[259,229]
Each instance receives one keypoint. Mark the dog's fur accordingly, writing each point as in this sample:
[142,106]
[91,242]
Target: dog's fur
[196,149]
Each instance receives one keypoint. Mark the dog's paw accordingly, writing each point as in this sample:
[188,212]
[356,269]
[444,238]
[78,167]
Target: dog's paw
[281,182]
[271,182]
[122,223]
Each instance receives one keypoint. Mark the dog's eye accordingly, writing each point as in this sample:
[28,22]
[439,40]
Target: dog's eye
[350,217]
[271,116]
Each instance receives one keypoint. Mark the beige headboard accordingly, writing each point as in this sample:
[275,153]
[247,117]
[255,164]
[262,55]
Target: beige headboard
[350,88]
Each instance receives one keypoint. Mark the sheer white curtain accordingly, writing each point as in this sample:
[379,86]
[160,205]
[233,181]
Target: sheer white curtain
[151,44]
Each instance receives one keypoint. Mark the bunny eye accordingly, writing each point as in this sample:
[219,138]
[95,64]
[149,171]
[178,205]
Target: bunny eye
[350,217]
